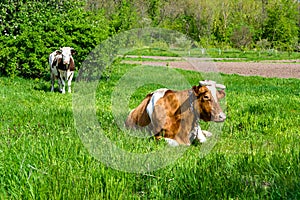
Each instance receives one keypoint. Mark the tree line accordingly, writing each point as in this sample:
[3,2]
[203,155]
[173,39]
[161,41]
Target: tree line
[31,29]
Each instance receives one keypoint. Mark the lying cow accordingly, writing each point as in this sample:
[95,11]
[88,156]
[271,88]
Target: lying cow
[62,67]
[174,115]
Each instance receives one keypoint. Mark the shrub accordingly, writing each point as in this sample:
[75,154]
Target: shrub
[38,28]
[241,37]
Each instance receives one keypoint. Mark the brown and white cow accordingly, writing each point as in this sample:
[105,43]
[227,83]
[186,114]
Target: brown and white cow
[62,67]
[174,115]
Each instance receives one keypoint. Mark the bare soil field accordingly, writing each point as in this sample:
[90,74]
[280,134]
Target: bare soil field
[280,69]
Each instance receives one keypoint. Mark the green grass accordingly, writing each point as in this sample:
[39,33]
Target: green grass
[227,55]
[149,59]
[152,52]
[252,55]
[256,157]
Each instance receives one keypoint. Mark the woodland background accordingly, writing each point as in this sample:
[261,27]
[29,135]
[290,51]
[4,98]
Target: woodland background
[32,29]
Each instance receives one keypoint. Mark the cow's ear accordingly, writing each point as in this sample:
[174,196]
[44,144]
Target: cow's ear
[198,90]
[73,51]
[221,94]
[58,51]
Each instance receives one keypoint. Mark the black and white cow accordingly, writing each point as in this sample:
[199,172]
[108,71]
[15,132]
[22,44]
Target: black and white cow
[62,67]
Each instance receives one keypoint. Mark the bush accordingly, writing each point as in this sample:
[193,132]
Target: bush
[38,29]
[241,37]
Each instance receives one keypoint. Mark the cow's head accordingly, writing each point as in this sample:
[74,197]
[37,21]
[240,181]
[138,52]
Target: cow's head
[66,54]
[208,94]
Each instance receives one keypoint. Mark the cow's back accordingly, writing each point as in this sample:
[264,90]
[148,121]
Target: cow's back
[51,58]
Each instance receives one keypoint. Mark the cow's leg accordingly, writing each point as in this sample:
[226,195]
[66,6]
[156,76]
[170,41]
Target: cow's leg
[199,134]
[201,137]
[207,133]
[63,86]
[62,76]
[52,82]
[70,75]
[59,84]
[171,142]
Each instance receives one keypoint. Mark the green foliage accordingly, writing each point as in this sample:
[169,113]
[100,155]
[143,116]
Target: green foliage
[241,37]
[124,17]
[153,51]
[38,28]
[154,11]
[282,24]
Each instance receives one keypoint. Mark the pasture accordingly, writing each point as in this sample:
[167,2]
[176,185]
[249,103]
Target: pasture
[257,156]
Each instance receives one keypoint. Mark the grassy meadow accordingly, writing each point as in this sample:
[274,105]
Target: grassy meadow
[257,156]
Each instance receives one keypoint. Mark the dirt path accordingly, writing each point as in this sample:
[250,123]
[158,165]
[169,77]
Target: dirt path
[281,69]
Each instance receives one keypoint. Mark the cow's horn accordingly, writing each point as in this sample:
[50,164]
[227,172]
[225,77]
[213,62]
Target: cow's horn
[203,83]
[220,86]
[207,83]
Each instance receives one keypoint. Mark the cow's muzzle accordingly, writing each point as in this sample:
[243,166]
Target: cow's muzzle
[221,117]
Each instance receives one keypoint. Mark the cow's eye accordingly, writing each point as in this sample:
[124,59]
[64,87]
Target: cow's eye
[206,97]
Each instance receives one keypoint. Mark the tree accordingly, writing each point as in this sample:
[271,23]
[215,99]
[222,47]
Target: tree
[282,24]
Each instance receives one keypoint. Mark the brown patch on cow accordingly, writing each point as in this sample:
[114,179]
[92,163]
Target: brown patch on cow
[204,102]
[72,64]
[60,65]
[58,62]
[139,116]
[55,62]
[172,117]
[221,94]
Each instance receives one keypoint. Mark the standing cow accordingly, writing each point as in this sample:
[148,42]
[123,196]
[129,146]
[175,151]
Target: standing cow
[174,115]
[62,67]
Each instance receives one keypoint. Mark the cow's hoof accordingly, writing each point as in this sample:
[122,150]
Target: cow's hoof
[207,133]
[202,140]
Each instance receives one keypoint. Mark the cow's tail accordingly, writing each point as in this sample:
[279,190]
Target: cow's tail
[139,117]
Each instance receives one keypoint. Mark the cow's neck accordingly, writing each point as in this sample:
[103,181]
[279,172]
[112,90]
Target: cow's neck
[191,100]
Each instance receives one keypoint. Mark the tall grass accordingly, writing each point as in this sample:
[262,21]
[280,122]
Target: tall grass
[256,157]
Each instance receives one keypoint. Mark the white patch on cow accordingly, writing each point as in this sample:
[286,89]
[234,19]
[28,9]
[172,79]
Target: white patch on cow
[206,133]
[212,86]
[157,94]
[171,142]
[213,91]
[197,133]
[66,54]
[52,57]
[200,136]
[53,70]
